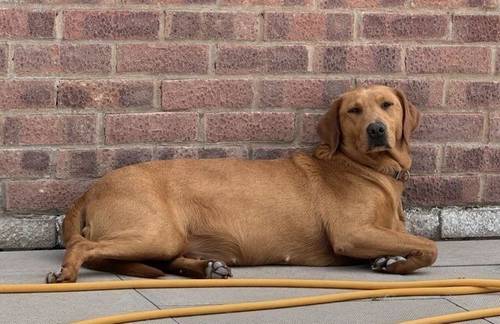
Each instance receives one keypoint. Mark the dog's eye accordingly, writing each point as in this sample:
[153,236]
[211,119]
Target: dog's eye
[386,104]
[354,110]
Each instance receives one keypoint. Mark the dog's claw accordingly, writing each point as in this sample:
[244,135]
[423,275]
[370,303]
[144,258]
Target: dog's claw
[383,263]
[218,270]
[53,277]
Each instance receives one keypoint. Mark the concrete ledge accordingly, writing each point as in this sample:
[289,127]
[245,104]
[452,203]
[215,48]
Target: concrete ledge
[44,232]
[36,232]
[423,222]
[470,222]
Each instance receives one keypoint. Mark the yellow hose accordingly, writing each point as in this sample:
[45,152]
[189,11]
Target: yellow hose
[372,290]
[458,317]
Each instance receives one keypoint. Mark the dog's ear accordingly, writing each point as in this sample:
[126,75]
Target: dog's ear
[411,116]
[329,127]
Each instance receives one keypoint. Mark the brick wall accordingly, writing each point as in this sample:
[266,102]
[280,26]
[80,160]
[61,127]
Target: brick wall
[88,88]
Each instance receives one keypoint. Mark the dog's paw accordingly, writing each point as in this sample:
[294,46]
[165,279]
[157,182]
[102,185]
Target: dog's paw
[217,270]
[385,264]
[53,277]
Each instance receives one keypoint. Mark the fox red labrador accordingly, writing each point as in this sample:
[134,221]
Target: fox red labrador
[340,205]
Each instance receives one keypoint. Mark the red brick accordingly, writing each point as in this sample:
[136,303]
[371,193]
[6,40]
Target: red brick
[442,190]
[494,128]
[458,128]
[77,164]
[232,152]
[453,4]
[192,94]
[170,2]
[277,3]
[95,163]
[105,94]
[358,59]
[153,58]
[17,23]
[222,152]
[30,94]
[258,126]
[57,59]
[272,153]
[24,163]
[67,2]
[473,95]
[212,25]
[424,94]
[49,129]
[472,158]
[405,27]
[424,158]
[44,195]
[476,28]
[307,26]
[448,59]
[80,24]
[110,159]
[260,59]
[150,128]
[309,133]
[309,93]
[491,193]
[178,152]
[328,4]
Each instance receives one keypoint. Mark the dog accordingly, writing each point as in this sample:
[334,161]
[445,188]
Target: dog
[340,205]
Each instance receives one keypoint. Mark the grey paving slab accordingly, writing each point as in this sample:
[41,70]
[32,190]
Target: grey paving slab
[30,260]
[68,307]
[472,302]
[32,266]
[383,312]
[212,296]
[477,252]
[472,259]
[203,296]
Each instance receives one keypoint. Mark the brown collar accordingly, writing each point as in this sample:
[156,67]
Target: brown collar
[402,175]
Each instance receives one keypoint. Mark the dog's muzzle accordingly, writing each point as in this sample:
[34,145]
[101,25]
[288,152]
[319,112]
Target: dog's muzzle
[377,135]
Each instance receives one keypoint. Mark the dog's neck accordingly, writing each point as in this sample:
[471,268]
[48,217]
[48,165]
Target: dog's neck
[394,163]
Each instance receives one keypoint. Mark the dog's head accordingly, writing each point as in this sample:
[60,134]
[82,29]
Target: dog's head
[369,121]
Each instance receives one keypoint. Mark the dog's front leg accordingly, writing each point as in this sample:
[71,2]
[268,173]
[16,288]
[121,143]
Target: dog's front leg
[371,242]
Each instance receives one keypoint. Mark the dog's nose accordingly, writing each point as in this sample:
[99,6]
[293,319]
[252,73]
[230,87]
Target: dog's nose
[376,130]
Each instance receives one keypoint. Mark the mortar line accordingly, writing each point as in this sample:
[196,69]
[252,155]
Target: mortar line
[482,185]
[198,7]
[356,21]
[460,306]
[161,26]
[113,61]
[149,300]
[10,60]
[59,25]
[493,59]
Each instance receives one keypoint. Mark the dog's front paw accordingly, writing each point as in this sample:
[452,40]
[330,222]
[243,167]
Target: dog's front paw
[53,277]
[386,264]
[217,270]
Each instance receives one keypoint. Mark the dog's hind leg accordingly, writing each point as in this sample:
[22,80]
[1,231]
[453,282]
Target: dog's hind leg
[81,250]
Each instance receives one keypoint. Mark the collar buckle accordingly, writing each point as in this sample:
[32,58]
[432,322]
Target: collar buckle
[402,175]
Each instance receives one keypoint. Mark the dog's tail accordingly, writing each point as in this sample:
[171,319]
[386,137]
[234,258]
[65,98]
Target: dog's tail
[128,268]
[74,221]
